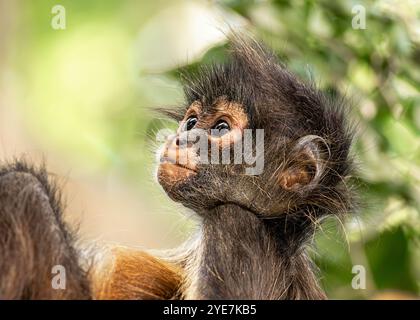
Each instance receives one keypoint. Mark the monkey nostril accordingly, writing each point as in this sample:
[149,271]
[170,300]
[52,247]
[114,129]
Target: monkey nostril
[177,141]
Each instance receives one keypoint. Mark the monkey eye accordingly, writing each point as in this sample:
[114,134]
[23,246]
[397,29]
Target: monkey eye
[220,128]
[190,123]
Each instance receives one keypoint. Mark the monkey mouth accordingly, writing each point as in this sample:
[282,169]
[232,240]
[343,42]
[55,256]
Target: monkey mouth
[172,175]
[172,160]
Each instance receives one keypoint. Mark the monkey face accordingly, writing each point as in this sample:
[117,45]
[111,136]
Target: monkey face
[197,162]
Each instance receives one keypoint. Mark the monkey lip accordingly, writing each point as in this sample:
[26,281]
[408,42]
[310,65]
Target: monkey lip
[167,162]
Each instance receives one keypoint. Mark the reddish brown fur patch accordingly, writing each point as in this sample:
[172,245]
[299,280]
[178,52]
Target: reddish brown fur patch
[134,275]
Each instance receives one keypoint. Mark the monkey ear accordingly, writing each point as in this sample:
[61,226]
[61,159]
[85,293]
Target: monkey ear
[306,164]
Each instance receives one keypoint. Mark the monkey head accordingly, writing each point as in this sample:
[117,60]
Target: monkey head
[254,135]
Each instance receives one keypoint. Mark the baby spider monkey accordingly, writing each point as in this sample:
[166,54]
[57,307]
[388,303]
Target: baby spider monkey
[253,228]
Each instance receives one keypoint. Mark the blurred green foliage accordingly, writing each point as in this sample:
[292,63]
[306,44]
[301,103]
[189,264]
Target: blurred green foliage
[89,86]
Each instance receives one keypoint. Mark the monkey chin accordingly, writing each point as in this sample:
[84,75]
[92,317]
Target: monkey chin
[170,175]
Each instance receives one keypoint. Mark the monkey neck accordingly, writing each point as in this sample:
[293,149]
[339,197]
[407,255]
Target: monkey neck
[244,257]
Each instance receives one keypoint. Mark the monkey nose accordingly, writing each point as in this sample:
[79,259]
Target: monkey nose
[182,141]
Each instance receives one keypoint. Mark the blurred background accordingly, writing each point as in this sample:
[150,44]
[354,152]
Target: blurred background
[80,99]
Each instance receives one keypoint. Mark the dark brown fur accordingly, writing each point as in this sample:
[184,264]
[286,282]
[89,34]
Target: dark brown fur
[242,259]
[33,238]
